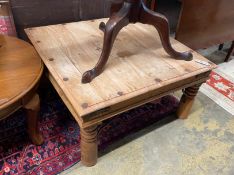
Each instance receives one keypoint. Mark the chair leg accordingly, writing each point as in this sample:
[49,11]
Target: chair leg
[32,109]
[230,52]
[161,24]
[221,46]
[111,30]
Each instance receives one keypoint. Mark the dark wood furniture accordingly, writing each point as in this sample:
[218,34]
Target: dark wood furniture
[204,23]
[20,71]
[137,72]
[40,12]
[131,11]
[230,52]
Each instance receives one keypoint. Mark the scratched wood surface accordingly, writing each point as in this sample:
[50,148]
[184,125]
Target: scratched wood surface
[138,65]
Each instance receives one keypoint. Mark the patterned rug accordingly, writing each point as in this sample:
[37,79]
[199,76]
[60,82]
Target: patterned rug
[220,86]
[61,149]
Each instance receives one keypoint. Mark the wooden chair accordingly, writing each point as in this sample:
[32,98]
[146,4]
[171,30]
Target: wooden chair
[230,51]
[20,71]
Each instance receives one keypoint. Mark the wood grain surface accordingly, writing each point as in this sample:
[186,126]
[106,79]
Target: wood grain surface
[20,70]
[204,23]
[138,69]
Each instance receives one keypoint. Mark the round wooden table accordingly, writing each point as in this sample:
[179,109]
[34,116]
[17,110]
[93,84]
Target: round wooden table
[20,71]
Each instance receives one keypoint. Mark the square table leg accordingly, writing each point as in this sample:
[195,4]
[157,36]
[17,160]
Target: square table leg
[89,147]
[187,100]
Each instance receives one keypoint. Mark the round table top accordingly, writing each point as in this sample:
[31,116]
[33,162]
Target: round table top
[20,69]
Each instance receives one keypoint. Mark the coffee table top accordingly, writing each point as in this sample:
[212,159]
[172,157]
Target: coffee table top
[138,65]
[20,70]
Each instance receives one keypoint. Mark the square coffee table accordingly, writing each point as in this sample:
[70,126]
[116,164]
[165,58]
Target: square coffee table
[138,71]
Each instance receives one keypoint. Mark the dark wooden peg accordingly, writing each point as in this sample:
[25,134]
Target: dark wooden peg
[88,76]
[102,26]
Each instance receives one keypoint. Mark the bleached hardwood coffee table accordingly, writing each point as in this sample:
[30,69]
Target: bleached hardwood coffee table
[138,71]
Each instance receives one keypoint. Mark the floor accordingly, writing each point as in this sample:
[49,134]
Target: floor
[222,83]
[200,145]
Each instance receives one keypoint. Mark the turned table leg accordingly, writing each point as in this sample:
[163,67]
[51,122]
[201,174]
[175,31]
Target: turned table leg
[187,100]
[32,109]
[161,23]
[89,148]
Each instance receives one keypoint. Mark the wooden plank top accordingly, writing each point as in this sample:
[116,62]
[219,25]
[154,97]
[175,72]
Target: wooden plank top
[138,64]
